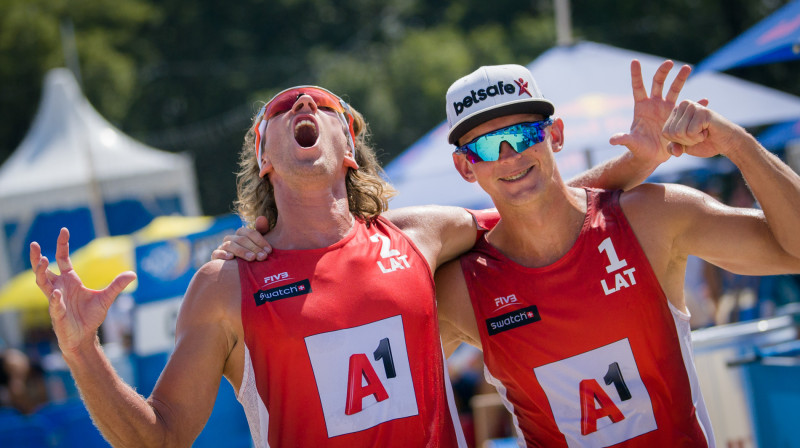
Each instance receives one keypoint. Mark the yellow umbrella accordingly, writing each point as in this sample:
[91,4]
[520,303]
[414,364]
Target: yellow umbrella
[21,293]
[166,227]
[97,263]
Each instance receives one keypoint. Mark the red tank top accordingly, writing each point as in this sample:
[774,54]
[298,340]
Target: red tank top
[344,347]
[585,351]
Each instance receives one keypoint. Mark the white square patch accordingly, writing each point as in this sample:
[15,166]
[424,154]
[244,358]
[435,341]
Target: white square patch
[613,364]
[331,354]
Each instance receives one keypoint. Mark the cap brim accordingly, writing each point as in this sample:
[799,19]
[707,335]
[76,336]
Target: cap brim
[538,106]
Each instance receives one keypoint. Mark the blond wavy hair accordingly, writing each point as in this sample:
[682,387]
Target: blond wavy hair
[367,191]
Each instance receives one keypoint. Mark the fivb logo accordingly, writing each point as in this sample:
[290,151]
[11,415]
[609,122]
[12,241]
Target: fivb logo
[275,278]
[500,88]
[502,302]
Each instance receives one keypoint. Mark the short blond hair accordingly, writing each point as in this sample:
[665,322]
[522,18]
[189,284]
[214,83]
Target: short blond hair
[367,191]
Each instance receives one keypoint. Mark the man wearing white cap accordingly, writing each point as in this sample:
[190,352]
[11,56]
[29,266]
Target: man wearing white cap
[576,295]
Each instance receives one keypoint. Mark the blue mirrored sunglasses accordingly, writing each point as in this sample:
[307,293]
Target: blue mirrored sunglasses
[520,136]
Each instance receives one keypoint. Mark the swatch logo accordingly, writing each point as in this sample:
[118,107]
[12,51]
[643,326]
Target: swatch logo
[514,319]
[282,292]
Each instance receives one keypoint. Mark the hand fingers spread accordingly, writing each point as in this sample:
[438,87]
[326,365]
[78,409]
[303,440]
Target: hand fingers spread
[43,280]
[659,78]
[62,251]
[56,304]
[639,93]
[35,253]
[677,84]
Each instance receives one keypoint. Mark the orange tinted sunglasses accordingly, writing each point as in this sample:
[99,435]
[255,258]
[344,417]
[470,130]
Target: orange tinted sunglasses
[285,100]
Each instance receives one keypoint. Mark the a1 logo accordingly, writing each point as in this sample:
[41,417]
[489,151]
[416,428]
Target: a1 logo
[363,375]
[598,397]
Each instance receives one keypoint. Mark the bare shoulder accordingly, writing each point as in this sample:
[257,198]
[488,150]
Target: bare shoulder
[214,291]
[664,201]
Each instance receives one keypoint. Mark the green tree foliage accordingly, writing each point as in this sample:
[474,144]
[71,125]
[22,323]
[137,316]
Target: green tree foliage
[188,76]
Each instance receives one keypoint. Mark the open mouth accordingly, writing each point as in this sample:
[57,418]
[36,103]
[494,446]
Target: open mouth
[519,175]
[306,133]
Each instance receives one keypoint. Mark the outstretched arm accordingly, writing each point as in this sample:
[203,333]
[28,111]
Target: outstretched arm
[763,242]
[647,147]
[181,402]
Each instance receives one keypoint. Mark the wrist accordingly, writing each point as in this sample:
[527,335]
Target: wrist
[640,164]
[739,149]
[83,353]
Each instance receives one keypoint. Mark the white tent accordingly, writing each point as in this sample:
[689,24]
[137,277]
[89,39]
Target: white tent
[590,85]
[72,156]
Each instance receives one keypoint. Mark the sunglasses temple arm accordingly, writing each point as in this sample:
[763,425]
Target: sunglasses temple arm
[347,121]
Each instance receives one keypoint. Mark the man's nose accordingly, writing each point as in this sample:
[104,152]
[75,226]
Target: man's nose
[507,152]
[304,102]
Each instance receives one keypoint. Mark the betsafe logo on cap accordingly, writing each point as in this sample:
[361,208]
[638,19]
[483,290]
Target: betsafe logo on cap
[490,92]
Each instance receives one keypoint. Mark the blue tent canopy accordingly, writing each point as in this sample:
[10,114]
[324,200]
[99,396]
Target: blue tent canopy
[774,39]
[777,136]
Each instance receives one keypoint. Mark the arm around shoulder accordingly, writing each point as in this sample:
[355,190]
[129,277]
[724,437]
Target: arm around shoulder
[442,233]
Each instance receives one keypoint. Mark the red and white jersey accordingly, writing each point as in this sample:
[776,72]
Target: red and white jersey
[342,346]
[588,352]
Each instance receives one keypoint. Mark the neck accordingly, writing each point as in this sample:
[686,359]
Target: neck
[310,218]
[540,232]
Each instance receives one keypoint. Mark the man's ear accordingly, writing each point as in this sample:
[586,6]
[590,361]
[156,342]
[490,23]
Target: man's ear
[266,166]
[350,160]
[557,135]
[464,167]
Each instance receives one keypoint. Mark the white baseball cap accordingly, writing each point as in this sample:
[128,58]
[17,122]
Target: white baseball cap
[490,92]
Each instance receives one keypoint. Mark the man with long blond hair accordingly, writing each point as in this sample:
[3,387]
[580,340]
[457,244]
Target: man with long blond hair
[333,339]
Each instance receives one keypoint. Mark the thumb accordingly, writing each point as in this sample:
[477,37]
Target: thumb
[676,149]
[262,224]
[619,139]
[119,283]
